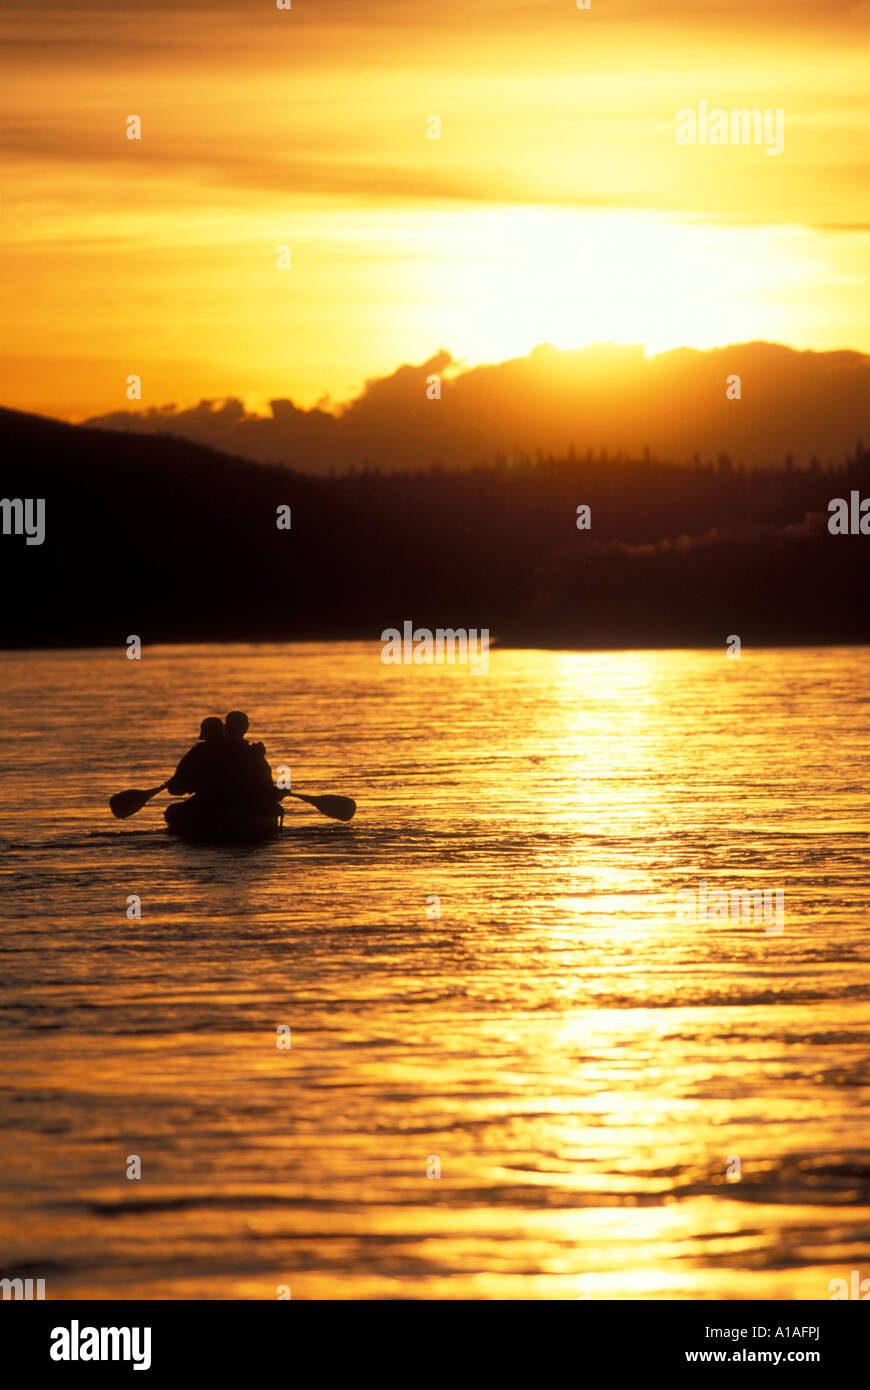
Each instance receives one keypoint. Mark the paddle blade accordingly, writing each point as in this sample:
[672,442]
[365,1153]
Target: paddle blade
[124,804]
[338,807]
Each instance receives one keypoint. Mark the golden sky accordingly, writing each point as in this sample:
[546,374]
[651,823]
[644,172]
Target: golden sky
[557,206]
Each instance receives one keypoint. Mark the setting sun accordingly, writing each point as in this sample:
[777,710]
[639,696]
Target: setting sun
[497,178]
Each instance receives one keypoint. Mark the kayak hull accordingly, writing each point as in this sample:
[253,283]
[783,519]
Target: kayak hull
[215,823]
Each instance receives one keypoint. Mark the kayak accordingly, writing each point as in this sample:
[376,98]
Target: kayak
[196,819]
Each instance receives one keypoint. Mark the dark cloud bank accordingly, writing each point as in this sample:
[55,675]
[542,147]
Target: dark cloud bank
[798,403]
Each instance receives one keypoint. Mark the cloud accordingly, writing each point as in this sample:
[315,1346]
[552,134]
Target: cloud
[798,403]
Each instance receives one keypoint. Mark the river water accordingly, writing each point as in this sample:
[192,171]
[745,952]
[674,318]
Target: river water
[515,1066]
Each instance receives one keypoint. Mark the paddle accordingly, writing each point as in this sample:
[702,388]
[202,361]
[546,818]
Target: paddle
[124,804]
[337,807]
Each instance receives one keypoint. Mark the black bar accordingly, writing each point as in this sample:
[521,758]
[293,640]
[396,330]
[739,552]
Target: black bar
[589,1339]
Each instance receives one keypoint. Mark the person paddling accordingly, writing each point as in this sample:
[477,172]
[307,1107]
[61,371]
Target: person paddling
[247,770]
[227,783]
[202,769]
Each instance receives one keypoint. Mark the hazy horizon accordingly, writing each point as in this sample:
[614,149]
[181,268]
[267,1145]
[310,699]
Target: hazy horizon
[757,401]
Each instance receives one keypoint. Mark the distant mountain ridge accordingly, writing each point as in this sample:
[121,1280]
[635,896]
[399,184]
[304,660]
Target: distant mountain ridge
[603,396]
[175,542]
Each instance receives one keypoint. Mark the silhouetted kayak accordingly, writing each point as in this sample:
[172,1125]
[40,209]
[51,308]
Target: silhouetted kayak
[194,819]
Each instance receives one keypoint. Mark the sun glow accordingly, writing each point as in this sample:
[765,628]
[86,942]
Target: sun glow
[501,281]
[556,204]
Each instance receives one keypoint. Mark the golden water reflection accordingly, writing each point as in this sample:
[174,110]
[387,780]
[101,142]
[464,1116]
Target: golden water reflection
[583,1065]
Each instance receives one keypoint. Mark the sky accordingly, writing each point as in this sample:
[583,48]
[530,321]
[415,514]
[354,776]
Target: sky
[556,207]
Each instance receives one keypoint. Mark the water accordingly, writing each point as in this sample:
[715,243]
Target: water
[584,1066]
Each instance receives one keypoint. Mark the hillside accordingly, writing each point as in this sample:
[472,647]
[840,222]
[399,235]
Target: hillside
[176,542]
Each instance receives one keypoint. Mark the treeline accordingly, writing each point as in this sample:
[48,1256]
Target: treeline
[174,542]
[638,500]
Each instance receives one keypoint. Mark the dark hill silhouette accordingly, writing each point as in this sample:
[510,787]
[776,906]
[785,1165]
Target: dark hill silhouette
[798,403]
[176,542]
